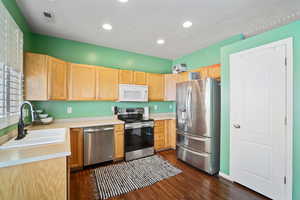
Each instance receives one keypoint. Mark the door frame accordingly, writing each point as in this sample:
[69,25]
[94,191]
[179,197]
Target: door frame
[288,42]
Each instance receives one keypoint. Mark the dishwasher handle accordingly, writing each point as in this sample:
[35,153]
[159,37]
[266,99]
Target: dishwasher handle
[98,129]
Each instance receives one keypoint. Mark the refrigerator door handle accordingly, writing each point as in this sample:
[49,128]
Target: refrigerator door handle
[189,99]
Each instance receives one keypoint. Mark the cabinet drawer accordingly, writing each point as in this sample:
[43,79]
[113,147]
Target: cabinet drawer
[199,144]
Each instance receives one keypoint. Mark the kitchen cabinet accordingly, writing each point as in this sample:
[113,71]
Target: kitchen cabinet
[119,141]
[139,78]
[183,76]
[45,78]
[159,135]
[76,140]
[164,134]
[171,133]
[203,72]
[57,79]
[170,86]
[35,73]
[82,82]
[214,71]
[155,84]
[126,77]
[46,179]
[107,84]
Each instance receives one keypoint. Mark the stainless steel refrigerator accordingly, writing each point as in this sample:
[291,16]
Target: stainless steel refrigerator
[198,124]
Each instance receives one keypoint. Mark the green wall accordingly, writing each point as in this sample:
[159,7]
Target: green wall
[83,53]
[291,30]
[97,108]
[207,56]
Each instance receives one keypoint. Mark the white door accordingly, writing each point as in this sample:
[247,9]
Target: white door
[257,117]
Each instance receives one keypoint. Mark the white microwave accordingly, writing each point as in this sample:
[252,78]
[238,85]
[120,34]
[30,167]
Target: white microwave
[134,93]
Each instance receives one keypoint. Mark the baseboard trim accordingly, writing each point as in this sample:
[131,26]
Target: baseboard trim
[225,176]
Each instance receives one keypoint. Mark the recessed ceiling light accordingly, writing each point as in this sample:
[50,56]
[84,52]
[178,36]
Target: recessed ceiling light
[123,1]
[187,24]
[107,27]
[160,41]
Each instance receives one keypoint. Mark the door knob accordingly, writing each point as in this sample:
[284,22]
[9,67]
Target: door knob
[236,126]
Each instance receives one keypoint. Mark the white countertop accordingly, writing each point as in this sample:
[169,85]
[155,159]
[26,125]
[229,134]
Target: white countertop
[22,155]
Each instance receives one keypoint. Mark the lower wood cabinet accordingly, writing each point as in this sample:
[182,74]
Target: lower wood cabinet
[46,179]
[170,129]
[164,134]
[76,139]
[119,141]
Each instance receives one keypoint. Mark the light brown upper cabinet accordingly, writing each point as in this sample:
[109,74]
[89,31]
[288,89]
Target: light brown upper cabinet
[139,78]
[45,78]
[183,76]
[57,79]
[156,87]
[214,71]
[125,77]
[82,82]
[203,72]
[107,84]
[170,86]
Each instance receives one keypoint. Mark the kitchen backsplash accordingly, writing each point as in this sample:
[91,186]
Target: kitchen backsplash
[75,109]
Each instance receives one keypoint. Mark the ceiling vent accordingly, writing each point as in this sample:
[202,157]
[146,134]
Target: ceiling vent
[48,16]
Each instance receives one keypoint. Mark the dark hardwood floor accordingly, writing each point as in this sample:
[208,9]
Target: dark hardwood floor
[189,185]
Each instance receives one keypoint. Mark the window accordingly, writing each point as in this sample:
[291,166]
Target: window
[11,68]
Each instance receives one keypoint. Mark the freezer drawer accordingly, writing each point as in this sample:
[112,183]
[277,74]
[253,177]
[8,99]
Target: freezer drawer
[199,144]
[202,161]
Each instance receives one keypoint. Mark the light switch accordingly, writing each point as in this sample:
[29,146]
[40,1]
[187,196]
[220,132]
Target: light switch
[155,107]
[69,110]
[170,107]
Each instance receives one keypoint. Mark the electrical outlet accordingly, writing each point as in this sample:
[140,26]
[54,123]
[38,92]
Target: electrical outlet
[69,110]
[155,107]
[170,107]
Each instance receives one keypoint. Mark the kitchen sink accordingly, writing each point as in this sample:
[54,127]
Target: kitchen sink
[37,137]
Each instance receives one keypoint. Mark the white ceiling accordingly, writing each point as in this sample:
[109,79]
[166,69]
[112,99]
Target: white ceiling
[139,23]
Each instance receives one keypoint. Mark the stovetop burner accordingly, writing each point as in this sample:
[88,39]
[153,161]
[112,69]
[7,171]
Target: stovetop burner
[132,115]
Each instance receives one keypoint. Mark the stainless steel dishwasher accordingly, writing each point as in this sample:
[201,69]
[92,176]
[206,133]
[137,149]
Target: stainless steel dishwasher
[98,144]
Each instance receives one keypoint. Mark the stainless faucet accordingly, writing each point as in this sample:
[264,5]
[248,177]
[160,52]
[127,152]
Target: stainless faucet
[21,131]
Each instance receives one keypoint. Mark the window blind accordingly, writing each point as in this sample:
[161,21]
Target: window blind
[11,66]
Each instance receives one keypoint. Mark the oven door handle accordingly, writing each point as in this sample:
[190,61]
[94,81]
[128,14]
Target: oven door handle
[133,127]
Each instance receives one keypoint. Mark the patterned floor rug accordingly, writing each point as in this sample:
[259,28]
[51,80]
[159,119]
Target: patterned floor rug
[117,179]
